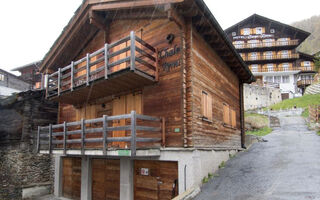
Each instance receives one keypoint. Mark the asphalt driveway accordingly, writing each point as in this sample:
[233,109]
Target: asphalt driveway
[286,167]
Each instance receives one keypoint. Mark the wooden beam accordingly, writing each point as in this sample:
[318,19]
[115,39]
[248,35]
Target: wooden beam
[97,20]
[133,4]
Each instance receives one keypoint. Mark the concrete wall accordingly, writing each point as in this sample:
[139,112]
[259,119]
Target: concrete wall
[22,171]
[256,96]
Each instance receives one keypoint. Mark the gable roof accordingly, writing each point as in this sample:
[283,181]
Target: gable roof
[35,64]
[202,19]
[301,34]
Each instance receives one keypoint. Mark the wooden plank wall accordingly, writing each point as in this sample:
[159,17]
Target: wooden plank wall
[161,183]
[71,178]
[105,179]
[211,74]
[164,99]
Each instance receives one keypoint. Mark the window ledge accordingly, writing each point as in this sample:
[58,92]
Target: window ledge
[206,119]
[229,126]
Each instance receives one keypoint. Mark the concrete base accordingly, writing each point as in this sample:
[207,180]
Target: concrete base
[36,191]
[126,179]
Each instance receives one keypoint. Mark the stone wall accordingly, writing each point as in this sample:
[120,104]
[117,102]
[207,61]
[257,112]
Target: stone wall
[256,96]
[20,166]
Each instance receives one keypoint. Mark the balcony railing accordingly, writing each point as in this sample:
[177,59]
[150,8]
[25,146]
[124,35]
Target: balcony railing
[129,54]
[281,69]
[266,44]
[304,82]
[103,135]
[271,57]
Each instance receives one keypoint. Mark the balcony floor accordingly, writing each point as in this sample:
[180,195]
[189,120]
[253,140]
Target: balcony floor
[121,81]
[113,153]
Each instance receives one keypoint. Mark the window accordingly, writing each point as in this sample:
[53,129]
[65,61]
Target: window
[268,42]
[270,67]
[1,77]
[277,79]
[285,66]
[229,116]
[285,54]
[234,33]
[272,30]
[206,105]
[269,79]
[285,79]
[253,43]
[283,41]
[259,30]
[307,65]
[268,55]
[253,56]
[238,44]
[246,31]
[254,68]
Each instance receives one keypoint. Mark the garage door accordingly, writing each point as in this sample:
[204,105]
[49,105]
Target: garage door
[155,180]
[71,180]
[105,179]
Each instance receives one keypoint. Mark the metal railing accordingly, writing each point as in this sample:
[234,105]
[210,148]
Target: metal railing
[271,57]
[266,44]
[130,52]
[69,135]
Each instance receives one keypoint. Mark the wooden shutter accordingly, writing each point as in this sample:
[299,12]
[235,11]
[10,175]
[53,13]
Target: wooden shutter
[206,105]
[226,115]
[233,118]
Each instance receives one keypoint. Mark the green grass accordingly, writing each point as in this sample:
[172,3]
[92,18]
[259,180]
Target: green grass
[318,133]
[260,132]
[305,113]
[257,121]
[300,102]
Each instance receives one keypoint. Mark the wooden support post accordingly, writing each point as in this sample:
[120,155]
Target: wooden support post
[106,61]
[50,138]
[64,137]
[156,75]
[88,68]
[59,81]
[72,76]
[163,132]
[105,146]
[82,135]
[132,51]
[46,79]
[133,132]
[38,140]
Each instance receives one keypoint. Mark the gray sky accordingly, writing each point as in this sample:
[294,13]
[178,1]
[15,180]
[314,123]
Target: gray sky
[29,28]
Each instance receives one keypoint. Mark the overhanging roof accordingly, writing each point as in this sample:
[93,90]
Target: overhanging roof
[202,19]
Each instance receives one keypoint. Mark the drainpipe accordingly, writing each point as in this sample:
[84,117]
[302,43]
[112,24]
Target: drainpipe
[241,101]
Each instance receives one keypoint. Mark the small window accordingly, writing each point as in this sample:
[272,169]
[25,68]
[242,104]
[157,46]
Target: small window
[206,105]
[229,116]
[269,79]
[259,30]
[254,68]
[285,79]
[268,55]
[285,54]
[253,56]
[1,77]
[238,44]
[272,30]
[234,33]
[277,79]
[246,31]
[306,63]
[270,67]
[254,43]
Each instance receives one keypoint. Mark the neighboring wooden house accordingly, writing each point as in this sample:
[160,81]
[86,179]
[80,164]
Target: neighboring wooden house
[150,96]
[10,83]
[269,48]
[30,74]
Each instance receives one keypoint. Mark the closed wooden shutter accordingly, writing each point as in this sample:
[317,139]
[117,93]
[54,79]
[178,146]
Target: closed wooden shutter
[226,115]
[263,30]
[233,118]
[206,105]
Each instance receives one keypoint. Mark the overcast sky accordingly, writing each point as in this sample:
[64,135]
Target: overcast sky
[29,27]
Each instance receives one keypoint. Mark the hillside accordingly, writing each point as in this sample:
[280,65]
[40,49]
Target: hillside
[312,44]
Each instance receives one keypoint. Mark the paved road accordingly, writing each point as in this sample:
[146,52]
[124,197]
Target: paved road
[287,167]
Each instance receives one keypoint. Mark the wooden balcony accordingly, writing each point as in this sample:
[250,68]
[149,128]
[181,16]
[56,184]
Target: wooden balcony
[267,45]
[270,58]
[281,69]
[304,82]
[124,65]
[140,135]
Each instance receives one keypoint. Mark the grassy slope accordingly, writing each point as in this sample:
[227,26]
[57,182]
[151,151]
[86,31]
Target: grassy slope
[259,122]
[300,102]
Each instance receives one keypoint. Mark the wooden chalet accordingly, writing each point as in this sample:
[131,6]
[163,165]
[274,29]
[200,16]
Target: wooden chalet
[143,87]
[269,48]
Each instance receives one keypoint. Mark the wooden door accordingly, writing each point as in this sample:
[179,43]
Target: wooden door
[155,180]
[105,179]
[71,183]
[124,105]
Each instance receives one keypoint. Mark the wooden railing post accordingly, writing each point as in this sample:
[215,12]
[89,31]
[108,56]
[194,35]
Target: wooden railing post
[82,135]
[64,137]
[46,79]
[105,145]
[38,140]
[133,132]
[157,66]
[132,51]
[106,61]
[50,138]
[163,132]
[59,81]
[88,68]
[72,76]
